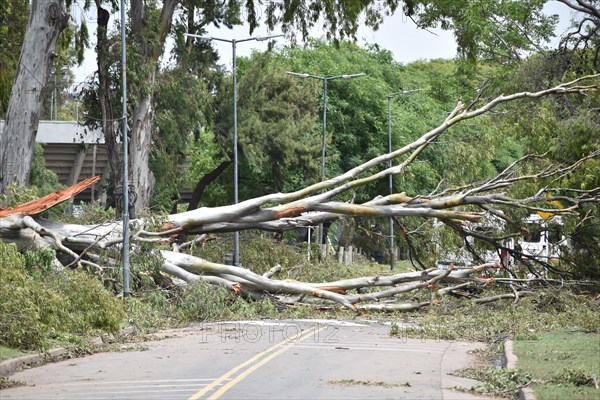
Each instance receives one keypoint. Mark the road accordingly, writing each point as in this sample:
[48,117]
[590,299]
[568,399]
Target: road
[260,360]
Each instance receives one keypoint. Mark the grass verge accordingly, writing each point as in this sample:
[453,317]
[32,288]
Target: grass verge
[564,364]
[6,353]
[537,323]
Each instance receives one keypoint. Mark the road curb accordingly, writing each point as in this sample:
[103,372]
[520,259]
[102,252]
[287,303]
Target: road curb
[11,366]
[509,360]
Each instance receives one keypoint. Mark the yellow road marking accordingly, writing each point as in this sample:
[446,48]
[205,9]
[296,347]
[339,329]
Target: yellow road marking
[256,366]
[232,371]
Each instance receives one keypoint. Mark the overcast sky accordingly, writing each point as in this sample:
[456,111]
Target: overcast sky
[397,34]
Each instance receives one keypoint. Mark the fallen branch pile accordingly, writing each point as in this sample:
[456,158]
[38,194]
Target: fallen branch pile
[82,245]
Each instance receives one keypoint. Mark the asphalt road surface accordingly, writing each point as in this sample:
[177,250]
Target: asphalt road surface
[260,360]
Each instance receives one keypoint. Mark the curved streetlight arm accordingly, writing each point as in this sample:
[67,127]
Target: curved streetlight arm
[257,38]
[198,36]
[303,75]
[264,38]
[352,76]
[403,92]
[325,78]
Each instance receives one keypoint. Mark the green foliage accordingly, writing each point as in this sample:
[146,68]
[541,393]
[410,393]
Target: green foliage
[152,310]
[45,180]
[564,129]
[89,306]
[203,156]
[457,319]
[181,103]
[42,181]
[487,30]
[277,150]
[584,252]
[7,353]
[357,114]
[260,252]
[204,302]
[199,56]
[40,260]
[13,21]
[38,305]
[338,19]
[356,108]
[14,194]
[503,382]
[576,377]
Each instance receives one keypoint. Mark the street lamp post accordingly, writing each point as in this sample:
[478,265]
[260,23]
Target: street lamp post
[324,79]
[391,184]
[125,157]
[234,42]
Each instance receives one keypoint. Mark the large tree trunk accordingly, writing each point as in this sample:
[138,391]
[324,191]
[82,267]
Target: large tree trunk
[141,119]
[139,150]
[47,19]
[105,97]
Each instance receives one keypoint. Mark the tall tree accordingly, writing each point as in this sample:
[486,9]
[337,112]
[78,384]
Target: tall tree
[104,94]
[181,103]
[503,31]
[277,151]
[13,21]
[47,19]
[150,23]
[149,27]
[149,33]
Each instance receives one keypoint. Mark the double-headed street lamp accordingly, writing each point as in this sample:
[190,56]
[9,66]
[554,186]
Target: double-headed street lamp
[324,79]
[234,42]
[389,97]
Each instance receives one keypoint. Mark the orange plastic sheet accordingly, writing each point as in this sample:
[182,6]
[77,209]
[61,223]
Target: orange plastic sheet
[42,204]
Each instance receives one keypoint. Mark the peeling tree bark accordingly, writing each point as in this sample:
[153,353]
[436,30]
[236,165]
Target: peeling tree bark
[142,116]
[47,19]
[142,177]
[40,205]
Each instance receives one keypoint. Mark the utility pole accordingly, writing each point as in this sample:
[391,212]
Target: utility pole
[125,157]
[391,181]
[324,79]
[236,237]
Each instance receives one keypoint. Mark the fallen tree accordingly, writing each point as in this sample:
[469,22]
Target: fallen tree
[458,208]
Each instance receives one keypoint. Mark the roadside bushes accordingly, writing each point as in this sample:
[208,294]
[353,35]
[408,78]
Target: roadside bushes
[38,305]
